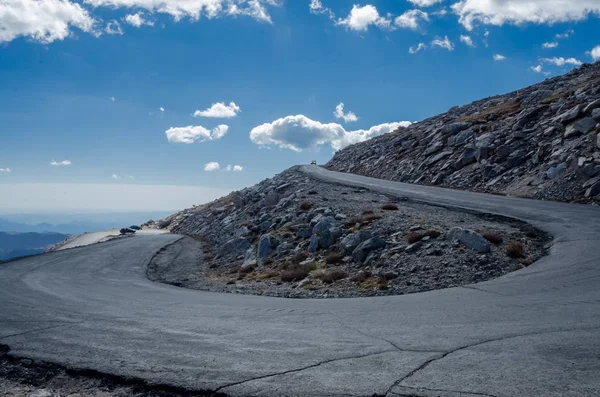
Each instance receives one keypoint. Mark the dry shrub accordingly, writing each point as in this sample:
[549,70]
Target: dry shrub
[360,276]
[390,207]
[414,237]
[369,217]
[317,274]
[305,206]
[530,232]
[514,249]
[313,192]
[246,270]
[382,283]
[300,256]
[433,233]
[500,110]
[294,274]
[367,212]
[334,257]
[493,237]
[333,275]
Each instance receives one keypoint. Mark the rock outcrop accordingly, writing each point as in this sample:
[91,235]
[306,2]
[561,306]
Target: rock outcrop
[541,142]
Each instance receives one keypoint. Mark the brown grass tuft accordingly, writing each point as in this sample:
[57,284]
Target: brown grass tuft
[334,257]
[360,276]
[390,207]
[294,274]
[530,232]
[305,206]
[514,249]
[333,275]
[493,237]
[500,110]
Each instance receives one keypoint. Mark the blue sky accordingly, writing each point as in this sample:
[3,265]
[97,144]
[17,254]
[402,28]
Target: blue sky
[84,83]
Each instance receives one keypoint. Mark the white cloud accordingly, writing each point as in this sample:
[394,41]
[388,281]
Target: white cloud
[43,21]
[137,20]
[565,35]
[360,18]
[300,133]
[316,7]
[424,3]
[195,9]
[440,13]
[113,27]
[63,163]
[518,12]
[417,48]
[212,166]
[562,61]
[112,98]
[553,44]
[411,18]
[537,69]
[7,170]
[161,109]
[467,40]
[445,43]
[595,53]
[347,117]
[219,110]
[234,168]
[116,177]
[193,133]
[499,57]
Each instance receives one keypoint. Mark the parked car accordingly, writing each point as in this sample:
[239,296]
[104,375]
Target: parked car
[314,162]
[127,230]
[134,227]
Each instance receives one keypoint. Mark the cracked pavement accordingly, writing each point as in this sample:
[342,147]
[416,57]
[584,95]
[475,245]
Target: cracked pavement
[535,332]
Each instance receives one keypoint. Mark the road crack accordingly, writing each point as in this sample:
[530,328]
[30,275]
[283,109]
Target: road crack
[40,329]
[218,390]
[468,393]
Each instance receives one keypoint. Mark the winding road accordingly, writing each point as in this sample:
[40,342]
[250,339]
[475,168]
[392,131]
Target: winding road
[535,332]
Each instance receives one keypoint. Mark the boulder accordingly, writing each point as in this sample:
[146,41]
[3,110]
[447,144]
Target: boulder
[433,148]
[438,157]
[469,239]
[353,240]
[556,171]
[454,128]
[571,114]
[235,245]
[593,190]
[361,252]
[266,244]
[591,106]
[591,170]
[324,232]
[271,199]
[249,258]
[313,246]
[596,114]
[468,156]
[414,247]
[242,231]
[580,127]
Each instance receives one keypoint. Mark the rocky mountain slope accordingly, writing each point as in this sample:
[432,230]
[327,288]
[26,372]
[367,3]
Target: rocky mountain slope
[541,142]
[294,236]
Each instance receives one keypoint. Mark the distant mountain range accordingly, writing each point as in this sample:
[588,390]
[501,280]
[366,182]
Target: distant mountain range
[13,245]
[75,227]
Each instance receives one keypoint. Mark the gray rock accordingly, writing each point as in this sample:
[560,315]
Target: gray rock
[598,141]
[353,240]
[556,171]
[502,152]
[434,148]
[266,244]
[361,252]
[264,226]
[482,153]
[580,127]
[282,249]
[596,114]
[313,246]
[242,231]
[469,239]
[593,190]
[591,170]
[414,247]
[516,159]
[323,231]
[593,105]
[249,258]
[271,199]
[591,182]
[571,114]
[438,157]
[461,138]
[235,245]
[454,128]
[468,156]
[305,232]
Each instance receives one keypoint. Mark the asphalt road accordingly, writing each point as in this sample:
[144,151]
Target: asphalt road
[535,332]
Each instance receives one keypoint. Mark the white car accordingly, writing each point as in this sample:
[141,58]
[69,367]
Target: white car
[314,162]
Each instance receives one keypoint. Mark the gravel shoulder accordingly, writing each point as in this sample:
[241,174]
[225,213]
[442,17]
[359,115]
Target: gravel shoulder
[296,237]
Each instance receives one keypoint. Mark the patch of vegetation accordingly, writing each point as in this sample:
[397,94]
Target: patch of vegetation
[294,274]
[334,257]
[390,207]
[414,237]
[305,206]
[334,275]
[493,237]
[514,249]
[500,111]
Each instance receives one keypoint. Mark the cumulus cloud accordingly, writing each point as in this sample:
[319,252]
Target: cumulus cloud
[347,117]
[193,133]
[595,53]
[552,44]
[360,18]
[317,7]
[234,168]
[563,61]
[43,21]
[63,163]
[443,43]
[467,40]
[537,69]
[112,98]
[113,27]
[195,9]
[499,57]
[518,12]
[212,166]
[424,3]
[300,133]
[411,19]
[137,20]
[417,48]
[219,110]
[161,109]
[116,177]
[6,170]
